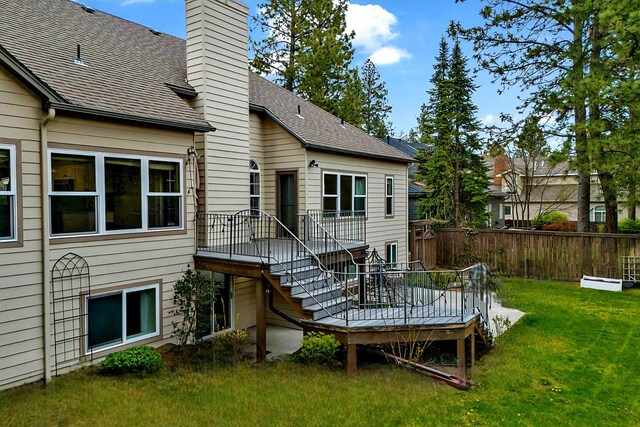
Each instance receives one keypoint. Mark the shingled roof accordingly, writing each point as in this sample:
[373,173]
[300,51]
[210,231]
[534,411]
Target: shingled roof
[314,127]
[128,67]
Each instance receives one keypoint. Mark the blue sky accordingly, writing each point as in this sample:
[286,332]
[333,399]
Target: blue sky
[401,37]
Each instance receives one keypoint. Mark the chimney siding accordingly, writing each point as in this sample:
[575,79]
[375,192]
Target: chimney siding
[217,67]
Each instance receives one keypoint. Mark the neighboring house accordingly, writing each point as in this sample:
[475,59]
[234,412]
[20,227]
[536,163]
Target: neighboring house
[127,155]
[554,188]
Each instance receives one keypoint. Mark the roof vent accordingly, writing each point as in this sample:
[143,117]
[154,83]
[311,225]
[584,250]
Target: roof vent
[299,113]
[88,9]
[155,32]
[78,60]
[342,122]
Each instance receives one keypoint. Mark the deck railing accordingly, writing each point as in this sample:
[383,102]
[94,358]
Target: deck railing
[400,294]
[344,226]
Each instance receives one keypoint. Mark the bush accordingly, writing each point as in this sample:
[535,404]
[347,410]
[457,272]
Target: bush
[562,225]
[629,226]
[230,344]
[141,359]
[318,348]
[540,221]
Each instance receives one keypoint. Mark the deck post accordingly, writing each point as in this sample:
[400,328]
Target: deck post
[352,358]
[261,321]
[472,350]
[462,362]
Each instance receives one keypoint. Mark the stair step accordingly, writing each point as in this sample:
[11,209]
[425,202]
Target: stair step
[303,287]
[288,265]
[316,296]
[320,311]
[300,273]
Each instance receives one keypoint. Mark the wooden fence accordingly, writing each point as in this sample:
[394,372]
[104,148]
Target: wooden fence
[537,254]
[422,243]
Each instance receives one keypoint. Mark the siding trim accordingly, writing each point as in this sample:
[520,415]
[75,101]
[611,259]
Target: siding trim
[19,225]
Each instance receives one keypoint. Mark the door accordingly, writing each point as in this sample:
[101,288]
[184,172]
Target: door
[287,207]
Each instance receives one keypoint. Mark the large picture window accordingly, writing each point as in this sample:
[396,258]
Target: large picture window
[344,193]
[98,193]
[8,188]
[121,317]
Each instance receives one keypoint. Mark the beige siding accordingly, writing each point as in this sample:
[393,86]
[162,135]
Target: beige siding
[245,302]
[380,229]
[21,339]
[281,151]
[217,68]
[130,260]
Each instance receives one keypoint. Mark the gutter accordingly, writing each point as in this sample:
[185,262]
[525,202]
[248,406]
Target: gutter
[46,274]
[80,110]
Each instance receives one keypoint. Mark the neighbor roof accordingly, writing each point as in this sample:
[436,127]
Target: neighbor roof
[128,67]
[316,128]
[407,147]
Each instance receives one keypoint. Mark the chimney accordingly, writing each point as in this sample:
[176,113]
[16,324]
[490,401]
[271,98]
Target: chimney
[217,33]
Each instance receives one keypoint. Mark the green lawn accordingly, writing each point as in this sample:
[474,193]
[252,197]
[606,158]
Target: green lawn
[574,359]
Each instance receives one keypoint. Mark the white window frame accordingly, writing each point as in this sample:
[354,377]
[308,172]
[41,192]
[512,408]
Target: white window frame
[598,211]
[391,263]
[337,196]
[12,194]
[125,341]
[389,198]
[258,196]
[100,193]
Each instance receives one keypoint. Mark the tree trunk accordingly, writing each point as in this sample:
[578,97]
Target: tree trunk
[610,202]
[580,116]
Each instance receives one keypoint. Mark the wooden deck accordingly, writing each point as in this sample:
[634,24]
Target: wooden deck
[271,252]
[395,317]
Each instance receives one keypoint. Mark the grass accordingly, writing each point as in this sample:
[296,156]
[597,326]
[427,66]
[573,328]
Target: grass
[572,360]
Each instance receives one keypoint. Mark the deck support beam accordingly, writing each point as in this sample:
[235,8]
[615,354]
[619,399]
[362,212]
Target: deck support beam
[261,320]
[462,353]
[472,350]
[352,358]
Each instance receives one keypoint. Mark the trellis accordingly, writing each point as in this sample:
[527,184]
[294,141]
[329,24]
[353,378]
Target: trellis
[70,285]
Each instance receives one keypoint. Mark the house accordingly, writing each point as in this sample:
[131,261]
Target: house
[127,155]
[553,187]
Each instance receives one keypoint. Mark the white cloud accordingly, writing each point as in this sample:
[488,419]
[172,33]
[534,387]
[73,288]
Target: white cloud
[128,2]
[489,119]
[373,27]
[389,55]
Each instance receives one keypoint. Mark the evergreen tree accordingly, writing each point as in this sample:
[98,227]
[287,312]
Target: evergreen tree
[375,107]
[307,49]
[452,167]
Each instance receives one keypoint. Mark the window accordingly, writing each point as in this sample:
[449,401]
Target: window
[254,188]
[389,196]
[507,210]
[344,193]
[8,188]
[392,255]
[96,193]
[598,214]
[122,317]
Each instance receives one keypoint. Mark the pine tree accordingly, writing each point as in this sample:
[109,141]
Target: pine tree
[307,49]
[452,166]
[375,108]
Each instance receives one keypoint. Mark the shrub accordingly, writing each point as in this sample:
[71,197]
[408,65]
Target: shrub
[141,359]
[193,295]
[562,225]
[230,344]
[629,226]
[540,221]
[318,348]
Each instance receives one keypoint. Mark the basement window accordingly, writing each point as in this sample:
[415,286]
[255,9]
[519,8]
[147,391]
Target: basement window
[122,317]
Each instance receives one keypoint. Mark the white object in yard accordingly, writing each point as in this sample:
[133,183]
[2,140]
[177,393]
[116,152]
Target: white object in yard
[601,283]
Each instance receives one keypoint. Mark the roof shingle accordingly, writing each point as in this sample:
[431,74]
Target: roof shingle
[127,65]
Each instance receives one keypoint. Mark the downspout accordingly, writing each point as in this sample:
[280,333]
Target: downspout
[46,274]
[306,183]
[273,308]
